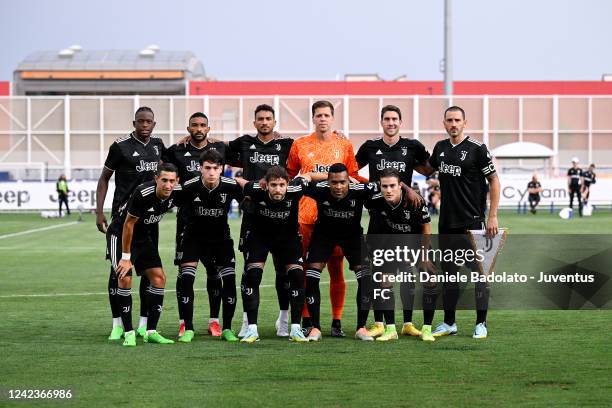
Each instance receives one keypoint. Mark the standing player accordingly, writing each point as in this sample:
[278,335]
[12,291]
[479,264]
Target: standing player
[574,183]
[464,166]
[399,153]
[206,238]
[185,156]
[274,229]
[315,153]
[256,154]
[534,188]
[588,178]
[133,159]
[133,235]
[339,207]
[392,217]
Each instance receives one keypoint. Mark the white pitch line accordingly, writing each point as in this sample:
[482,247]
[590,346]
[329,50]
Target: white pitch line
[34,295]
[17,234]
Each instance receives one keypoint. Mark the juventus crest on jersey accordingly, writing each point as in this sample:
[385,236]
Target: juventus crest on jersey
[462,171]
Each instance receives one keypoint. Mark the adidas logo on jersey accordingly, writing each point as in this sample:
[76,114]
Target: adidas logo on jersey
[135,154]
[311,154]
[378,152]
[325,202]
[442,154]
[187,154]
[151,209]
[252,147]
[197,199]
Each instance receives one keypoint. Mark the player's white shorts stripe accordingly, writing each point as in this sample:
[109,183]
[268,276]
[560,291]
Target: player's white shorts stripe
[17,234]
[113,249]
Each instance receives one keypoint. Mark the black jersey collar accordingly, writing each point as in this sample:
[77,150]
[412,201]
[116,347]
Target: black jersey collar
[133,135]
[458,144]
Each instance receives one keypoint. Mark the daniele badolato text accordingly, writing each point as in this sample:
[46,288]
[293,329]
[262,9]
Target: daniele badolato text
[413,258]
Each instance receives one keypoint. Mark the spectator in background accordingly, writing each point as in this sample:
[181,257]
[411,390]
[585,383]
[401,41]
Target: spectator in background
[534,188]
[588,178]
[62,193]
[574,181]
[433,190]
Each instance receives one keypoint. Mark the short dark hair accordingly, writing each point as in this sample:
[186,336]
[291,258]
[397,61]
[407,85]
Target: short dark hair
[592,165]
[144,109]
[277,172]
[264,108]
[322,104]
[390,108]
[198,115]
[455,108]
[169,167]
[211,156]
[337,168]
[391,172]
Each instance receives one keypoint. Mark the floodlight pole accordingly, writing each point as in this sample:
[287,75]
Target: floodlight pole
[448,52]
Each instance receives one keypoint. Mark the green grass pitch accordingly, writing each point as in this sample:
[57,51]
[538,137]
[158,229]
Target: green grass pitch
[55,320]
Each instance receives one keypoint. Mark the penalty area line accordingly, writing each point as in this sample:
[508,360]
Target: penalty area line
[32,231]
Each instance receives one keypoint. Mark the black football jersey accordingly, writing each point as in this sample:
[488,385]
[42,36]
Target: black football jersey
[402,156]
[147,207]
[340,217]
[574,174]
[186,158]
[134,163]
[396,219]
[208,209]
[462,171]
[534,184]
[588,177]
[275,218]
[256,157]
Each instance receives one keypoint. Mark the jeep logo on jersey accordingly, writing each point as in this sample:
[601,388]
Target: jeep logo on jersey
[153,219]
[463,155]
[146,166]
[320,168]
[193,166]
[271,159]
[209,212]
[384,164]
[450,169]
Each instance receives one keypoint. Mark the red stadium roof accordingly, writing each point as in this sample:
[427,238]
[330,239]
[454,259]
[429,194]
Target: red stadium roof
[399,88]
[5,88]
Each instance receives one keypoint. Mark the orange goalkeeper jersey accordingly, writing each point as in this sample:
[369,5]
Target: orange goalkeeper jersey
[309,154]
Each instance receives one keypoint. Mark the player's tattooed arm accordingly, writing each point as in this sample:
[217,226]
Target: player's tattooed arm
[101,191]
[494,189]
[241,181]
[425,168]
[412,198]
[125,264]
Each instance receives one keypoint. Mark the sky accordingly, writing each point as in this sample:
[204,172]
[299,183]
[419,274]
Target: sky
[324,40]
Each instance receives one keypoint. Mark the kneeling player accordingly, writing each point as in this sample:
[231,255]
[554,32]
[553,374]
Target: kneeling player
[207,239]
[393,217]
[131,235]
[274,230]
[339,208]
